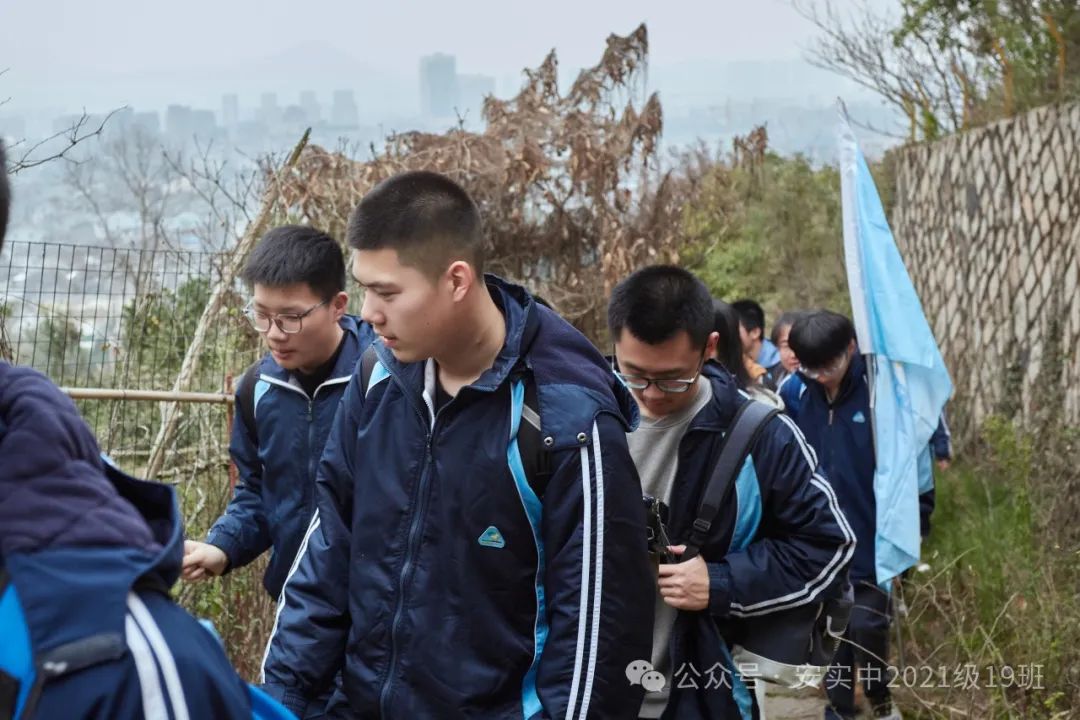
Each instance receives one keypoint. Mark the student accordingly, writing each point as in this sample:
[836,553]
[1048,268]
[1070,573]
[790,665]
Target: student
[481,567]
[758,349]
[87,557]
[292,394]
[729,353]
[830,402]
[789,363]
[729,348]
[779,540]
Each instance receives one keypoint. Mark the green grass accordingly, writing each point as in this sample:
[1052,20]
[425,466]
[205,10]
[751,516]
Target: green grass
[1002,589]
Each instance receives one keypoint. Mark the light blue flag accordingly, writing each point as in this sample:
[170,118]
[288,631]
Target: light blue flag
[909,381]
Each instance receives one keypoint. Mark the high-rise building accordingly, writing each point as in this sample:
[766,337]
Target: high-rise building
[310,104]
[178,122]
[294,117]
[230,111]
[203,123]
[184,123]
[344,113]
[438,85]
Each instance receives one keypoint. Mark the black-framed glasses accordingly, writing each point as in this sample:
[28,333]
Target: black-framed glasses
[289,323]
[666,385]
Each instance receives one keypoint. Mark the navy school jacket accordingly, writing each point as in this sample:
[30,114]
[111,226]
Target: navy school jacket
[436,577]
[275,498]
[842,434]
[87,556]
[780,541]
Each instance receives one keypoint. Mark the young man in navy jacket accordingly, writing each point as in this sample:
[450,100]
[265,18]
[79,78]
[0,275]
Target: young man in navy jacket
[829,399]
[298,305]
[780,540]
[442,575]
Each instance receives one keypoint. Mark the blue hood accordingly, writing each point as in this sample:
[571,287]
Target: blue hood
[769,355]
[54,491]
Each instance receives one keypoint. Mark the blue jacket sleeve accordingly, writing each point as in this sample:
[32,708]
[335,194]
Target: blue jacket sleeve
[599,583]
[803,542]
[307,644]
[243,532]
[790,392]
[941,441]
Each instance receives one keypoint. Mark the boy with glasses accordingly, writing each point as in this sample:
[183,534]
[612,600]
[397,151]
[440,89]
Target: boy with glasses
[298,305]
[779,540]
[829,399]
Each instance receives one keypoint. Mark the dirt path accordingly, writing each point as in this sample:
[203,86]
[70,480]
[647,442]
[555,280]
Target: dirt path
[782,704]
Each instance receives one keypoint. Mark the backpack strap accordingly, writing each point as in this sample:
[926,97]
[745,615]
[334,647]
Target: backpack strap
[245,399]
[534,456]
[743,431]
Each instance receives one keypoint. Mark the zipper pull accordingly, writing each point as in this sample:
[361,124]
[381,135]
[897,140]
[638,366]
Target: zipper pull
[830,416]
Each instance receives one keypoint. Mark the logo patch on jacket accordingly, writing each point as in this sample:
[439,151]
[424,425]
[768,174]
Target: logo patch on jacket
[492,538]
[859,417]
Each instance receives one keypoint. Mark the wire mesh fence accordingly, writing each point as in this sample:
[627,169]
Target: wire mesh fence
[121,318]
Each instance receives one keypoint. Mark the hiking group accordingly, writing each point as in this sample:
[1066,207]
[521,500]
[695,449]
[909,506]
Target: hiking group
[470,510]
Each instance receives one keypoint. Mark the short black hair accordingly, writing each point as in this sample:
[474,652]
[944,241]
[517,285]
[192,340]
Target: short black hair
[751,316]
[729,350]
[656,302]
[819,337]
[5,195]
[426,217]
[785,320]
[293,254]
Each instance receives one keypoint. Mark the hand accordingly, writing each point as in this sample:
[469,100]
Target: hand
[685,585]
[944,464]
[203,560]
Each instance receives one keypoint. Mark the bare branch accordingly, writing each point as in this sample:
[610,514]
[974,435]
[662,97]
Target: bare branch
[916,76]
[79,131]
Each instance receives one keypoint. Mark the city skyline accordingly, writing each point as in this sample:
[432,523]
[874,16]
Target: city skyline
[116,54]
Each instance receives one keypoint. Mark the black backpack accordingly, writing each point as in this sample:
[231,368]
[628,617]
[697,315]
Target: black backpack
[789,647]
[245,399]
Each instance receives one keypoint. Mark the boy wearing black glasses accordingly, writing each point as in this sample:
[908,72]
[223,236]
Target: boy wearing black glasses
[779,541]
[298,306]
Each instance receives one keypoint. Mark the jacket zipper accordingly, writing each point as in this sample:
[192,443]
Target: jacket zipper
[410,550]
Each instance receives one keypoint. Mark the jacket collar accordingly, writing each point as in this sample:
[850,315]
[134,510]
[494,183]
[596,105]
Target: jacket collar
[519,311]
[726,399]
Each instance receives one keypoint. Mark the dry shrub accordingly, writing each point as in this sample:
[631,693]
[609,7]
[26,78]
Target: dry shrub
[569,184]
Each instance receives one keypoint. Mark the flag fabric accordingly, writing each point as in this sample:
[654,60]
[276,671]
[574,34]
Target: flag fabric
[909,383]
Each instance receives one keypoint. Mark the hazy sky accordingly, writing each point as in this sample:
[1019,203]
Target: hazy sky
[63,53]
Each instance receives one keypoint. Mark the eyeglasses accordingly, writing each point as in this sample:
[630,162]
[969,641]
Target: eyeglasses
[828,371]
[289,323]
[673,385]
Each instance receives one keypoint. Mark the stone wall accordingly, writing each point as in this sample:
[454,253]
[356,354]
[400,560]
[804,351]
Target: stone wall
[988,222]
